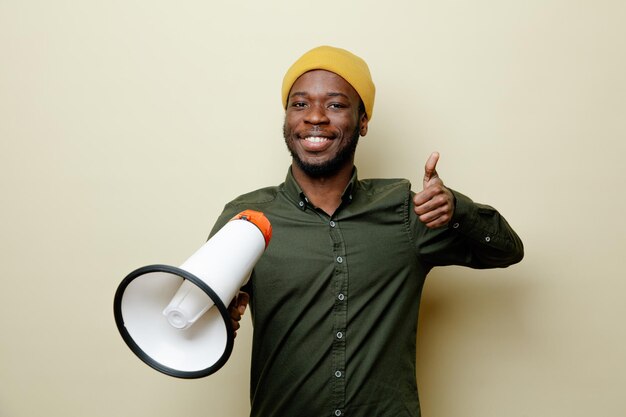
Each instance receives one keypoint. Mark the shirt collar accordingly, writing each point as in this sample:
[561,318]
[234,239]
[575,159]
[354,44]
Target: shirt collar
[295,193]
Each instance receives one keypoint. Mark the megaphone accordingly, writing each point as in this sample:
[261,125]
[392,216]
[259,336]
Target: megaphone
[175,319]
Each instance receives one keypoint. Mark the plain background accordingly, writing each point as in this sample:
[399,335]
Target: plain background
[125,127]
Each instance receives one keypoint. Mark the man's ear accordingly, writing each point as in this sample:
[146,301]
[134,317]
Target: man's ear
[363,124]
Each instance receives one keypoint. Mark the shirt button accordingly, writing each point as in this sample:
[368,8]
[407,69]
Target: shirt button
[339,335]
[341,297]
[455,225]
[487,239]
[337,413]
[338,374]
[339,259]
[332,223]
[301,204]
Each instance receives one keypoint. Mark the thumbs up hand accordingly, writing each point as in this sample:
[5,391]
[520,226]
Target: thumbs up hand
[435,203]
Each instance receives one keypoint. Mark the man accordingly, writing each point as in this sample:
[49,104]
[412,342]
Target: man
[335,298]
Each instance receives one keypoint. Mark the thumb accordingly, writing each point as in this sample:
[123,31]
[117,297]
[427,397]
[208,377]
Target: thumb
[430,170]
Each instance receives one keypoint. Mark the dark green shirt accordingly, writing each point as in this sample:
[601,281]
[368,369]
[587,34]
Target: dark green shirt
[335,299]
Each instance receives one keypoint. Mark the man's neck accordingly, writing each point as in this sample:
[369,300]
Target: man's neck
[324,192]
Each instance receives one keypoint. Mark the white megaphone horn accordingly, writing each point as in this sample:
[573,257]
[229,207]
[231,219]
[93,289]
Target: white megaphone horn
[176,319]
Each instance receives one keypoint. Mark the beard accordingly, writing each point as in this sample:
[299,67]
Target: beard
[332,166]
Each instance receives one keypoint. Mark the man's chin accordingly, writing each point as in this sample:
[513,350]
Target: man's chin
[319,169]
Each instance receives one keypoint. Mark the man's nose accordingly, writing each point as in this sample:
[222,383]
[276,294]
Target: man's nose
[317,115]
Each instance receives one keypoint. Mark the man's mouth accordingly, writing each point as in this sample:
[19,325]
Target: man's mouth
[316,139]
[316,144]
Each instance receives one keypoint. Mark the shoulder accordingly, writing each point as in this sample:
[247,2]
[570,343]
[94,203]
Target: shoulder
[261,196]
[375,186]
[254,200]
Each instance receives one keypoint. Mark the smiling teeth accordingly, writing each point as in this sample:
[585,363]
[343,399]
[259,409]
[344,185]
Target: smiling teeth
[315,139]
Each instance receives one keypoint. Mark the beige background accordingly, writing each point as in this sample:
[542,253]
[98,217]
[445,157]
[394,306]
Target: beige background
[125,126]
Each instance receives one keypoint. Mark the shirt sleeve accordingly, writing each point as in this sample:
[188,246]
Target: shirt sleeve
[477,236]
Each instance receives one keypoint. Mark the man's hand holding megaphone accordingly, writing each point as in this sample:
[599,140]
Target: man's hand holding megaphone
[236,309]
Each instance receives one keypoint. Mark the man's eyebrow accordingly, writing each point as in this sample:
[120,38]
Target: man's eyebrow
[330,94]
[337,94]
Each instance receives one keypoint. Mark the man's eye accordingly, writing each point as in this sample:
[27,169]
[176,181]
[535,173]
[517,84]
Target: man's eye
[298,104]
[336,106]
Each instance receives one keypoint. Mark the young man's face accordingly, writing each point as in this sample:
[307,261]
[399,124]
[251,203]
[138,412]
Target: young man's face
[322,123]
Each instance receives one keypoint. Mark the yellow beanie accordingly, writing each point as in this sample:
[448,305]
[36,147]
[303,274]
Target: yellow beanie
[343,63]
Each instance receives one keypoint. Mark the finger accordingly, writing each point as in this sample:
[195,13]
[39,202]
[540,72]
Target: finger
[243,299]
[236,327]
[436,223]
[430,170]
[436,218]
[430,192]
[432,208]
[234,314]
